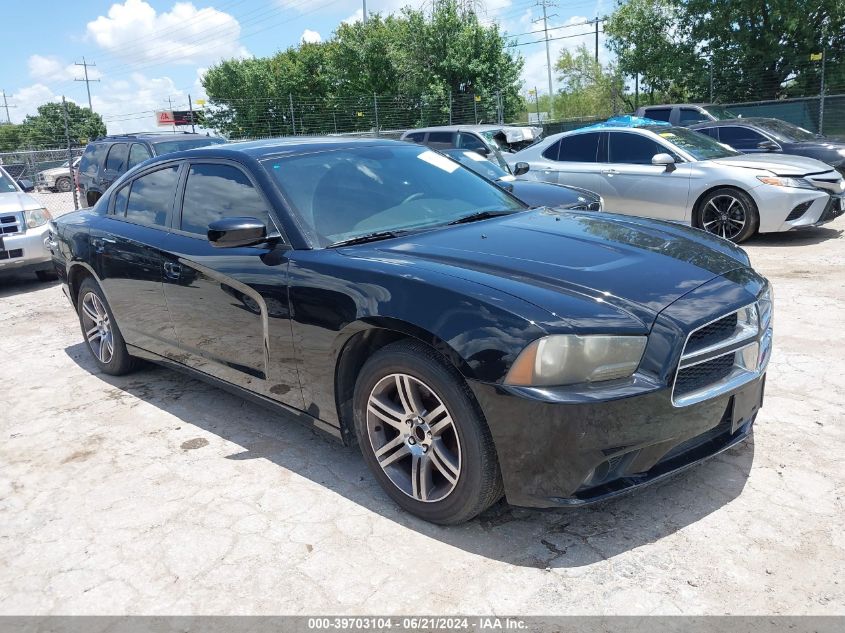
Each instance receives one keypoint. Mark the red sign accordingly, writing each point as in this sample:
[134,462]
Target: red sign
[165,118]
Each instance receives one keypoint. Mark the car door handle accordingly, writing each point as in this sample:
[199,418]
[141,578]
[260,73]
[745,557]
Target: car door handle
[609,172]
[172,270]
[108,240]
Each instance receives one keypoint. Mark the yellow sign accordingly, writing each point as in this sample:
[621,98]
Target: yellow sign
[815,57]
[360,114]
[200,102]
[477,98]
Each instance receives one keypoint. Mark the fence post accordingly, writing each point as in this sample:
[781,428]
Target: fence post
[375,108]
[821,95]
[475,108]
[292,117]
[500,105]
[450,107]
[69,155]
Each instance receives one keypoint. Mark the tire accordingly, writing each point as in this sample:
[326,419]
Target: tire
[452,459]
[63,185]
[46,275]
[106,344]
[728,213]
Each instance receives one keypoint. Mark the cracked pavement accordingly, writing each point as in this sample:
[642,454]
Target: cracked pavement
[157,494]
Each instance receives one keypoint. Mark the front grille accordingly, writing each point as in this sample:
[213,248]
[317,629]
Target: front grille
[9,224]
[831,211]
[712,333]
[699,376]
[12,254]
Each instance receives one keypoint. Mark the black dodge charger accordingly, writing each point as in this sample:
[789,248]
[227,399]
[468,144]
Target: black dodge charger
[472,347]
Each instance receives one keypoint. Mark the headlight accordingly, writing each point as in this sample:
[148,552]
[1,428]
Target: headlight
[37,217]
[567,359]
[781,181]
[767,308]
[841,152]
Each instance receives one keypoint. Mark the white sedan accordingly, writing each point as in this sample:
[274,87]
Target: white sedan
[673,173]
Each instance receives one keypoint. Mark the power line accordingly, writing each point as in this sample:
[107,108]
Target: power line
[87,81]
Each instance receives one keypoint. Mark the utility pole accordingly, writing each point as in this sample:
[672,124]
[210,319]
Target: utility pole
[545,4]
[170,105]
[7,106]
[191,111]
[87,81]
[69,154]
[597,38]
[364,14]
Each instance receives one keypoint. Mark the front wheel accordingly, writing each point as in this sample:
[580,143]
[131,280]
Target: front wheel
[728,213]
[102,336]
[63,185]
[423,436]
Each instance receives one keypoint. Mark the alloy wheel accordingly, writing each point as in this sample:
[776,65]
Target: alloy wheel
[414,437]
[725,216]
[97,327]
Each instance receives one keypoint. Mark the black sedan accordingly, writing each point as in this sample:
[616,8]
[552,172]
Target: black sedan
[470,346]
[758,135]
[532,192]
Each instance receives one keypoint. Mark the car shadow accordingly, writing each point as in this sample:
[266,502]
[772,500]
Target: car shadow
[558,538]
[804,237]
[23,283]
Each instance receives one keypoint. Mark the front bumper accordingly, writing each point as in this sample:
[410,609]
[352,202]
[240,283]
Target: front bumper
[788,209]
[554,452]
[24,252]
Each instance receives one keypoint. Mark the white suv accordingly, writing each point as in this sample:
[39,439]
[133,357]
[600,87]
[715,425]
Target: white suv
[24,225]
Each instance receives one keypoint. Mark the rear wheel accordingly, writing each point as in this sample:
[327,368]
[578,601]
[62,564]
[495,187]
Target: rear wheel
[100,330]
[423,436]
[728,213]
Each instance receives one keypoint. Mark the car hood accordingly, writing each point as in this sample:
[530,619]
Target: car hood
[551,257]
[15,201]
[779,164]
[536,194]
[56,171]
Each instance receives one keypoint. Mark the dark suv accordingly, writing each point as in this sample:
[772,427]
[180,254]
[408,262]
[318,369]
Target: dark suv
[107,158]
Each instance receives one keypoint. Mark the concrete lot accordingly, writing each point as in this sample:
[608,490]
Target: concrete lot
[157,494]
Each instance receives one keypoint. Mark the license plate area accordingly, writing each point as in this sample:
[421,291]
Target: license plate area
[747,403]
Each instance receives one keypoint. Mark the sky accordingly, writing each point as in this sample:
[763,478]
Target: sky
[152,53]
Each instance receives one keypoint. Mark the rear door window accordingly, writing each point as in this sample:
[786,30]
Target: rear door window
[138,153]
[552,151]
[689,116]
[151,196]
[116,160]
[580,148]
[440,140]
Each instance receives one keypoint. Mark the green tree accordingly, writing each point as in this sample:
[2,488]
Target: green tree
[587,87]
[10,137]
[47,128]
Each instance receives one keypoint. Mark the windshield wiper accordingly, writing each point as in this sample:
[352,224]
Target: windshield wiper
[368,237]
[480,215]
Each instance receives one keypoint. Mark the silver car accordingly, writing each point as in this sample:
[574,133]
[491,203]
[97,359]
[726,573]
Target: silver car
[58,178]
[24,227]
[675,174]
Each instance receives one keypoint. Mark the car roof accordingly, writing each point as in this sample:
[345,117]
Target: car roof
[678,105]
[151,136]
[758,120]
[276,146]
[466,128]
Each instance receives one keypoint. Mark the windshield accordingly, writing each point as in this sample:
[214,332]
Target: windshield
[341,194]
[479,164]
[167,147]
[720,113]
[698,145]
[6,183]
[786,132]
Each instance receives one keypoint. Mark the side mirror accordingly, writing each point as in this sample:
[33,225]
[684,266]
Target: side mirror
[520,169]
[26,185]
[484,151]
[233,232]
[664,159]
[768,146]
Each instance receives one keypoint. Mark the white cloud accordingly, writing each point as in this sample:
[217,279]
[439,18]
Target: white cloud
[44,68]
[310,37]
[358,16]
[26,101]
[184,35]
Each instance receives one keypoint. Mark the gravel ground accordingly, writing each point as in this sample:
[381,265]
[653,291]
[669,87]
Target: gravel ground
[157,494]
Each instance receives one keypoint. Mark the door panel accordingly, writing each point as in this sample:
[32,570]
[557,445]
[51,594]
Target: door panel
[578,162]
[631,184]
[230,305]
